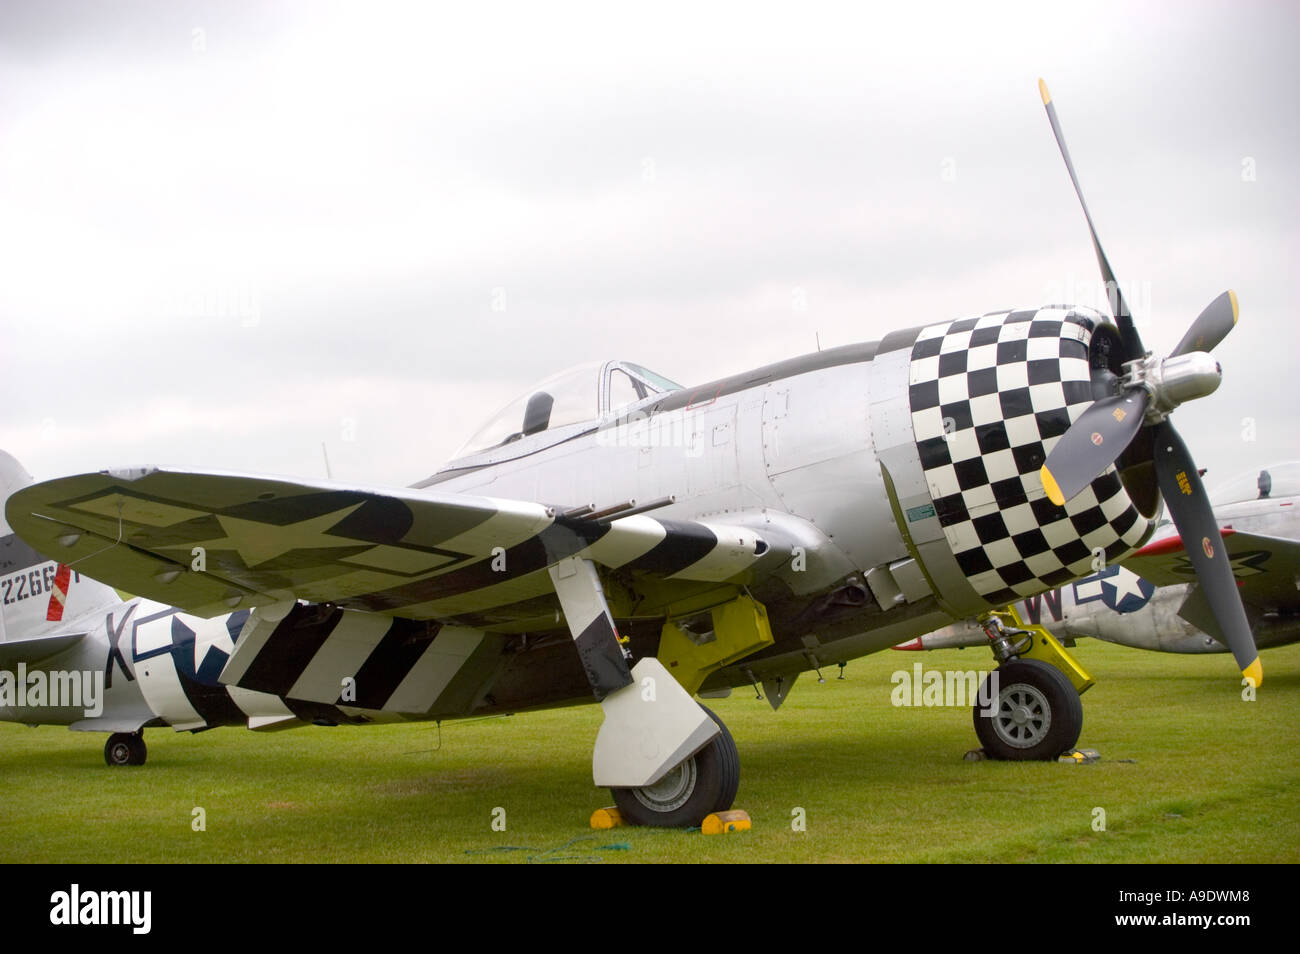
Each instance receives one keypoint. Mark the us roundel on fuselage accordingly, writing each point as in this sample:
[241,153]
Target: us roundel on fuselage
[989,397]
[1120,589]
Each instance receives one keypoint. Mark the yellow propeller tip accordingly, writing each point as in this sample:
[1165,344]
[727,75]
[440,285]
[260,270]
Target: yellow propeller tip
[1232,296]
[1053,489]
[1255,673]
[1042,91]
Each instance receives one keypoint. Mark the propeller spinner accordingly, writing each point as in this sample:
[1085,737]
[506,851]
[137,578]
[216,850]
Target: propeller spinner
[1150,389]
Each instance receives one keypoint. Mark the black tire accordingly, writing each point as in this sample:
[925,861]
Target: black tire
[125,748]
[730,765]
[1038,713]
[707,782]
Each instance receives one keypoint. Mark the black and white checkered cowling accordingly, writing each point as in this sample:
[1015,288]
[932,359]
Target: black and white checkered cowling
[990,396]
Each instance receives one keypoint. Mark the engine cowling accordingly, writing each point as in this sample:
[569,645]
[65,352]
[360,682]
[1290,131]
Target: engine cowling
[987,399]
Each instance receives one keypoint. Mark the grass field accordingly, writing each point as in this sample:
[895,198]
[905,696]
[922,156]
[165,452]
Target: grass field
[1190,773]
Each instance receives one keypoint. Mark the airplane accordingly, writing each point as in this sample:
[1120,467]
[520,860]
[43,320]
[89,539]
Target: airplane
[614,537]
[1259,520]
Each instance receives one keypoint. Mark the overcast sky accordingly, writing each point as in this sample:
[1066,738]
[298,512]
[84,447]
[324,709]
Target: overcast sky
[231,232]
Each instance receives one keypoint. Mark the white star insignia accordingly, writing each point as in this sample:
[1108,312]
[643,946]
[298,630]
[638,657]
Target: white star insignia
[258,542]
[1126,583]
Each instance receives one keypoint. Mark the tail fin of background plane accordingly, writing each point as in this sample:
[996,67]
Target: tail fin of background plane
[38,596]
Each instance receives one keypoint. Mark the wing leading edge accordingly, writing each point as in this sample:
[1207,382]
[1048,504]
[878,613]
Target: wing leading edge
[212,542]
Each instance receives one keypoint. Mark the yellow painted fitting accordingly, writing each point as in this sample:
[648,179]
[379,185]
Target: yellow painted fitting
[604,818]
[740,627]
[719,823]
[1047,648]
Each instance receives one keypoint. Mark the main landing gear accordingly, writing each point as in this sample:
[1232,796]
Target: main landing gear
[667,760]
[125,748]
[705,783]
[1028,708]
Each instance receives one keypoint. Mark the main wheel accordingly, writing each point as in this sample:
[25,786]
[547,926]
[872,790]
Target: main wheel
[1037,714]
[123,748]
[706,782]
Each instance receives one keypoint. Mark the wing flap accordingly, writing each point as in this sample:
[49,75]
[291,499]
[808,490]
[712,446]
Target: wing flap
[360,660]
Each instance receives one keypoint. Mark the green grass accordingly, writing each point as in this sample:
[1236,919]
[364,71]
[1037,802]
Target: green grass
[1212,779]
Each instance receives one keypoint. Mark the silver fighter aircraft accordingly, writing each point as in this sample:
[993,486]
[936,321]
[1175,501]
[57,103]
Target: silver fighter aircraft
[614,536]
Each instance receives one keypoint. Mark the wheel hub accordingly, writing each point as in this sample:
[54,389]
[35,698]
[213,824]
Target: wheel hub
[1024,716]
[670,792]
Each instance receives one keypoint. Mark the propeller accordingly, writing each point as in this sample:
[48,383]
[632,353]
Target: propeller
[1189,506]
[1118,306]
[1149,390]
[1211,326]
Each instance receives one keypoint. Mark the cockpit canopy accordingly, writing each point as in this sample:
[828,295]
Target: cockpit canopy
[585,394]
[1276,480]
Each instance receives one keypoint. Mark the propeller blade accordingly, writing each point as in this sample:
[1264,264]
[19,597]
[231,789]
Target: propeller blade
[1211,326]
[1092,444]
[1190,508]
[1123,317]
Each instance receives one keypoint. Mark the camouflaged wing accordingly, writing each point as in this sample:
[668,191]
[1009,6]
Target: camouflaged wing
[212,542]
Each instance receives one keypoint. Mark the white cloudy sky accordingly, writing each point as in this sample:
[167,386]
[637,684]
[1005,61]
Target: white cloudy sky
[231,232]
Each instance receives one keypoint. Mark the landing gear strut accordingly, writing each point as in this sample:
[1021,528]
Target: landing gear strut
[123,748]
[662,754]
[1028,708]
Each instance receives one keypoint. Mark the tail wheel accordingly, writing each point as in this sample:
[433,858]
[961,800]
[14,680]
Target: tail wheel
[1036,715]
[123,748]
[706,782]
